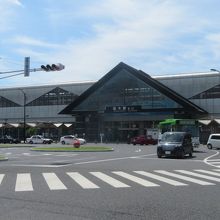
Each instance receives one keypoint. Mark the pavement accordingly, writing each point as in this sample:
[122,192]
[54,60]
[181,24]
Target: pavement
[128,183]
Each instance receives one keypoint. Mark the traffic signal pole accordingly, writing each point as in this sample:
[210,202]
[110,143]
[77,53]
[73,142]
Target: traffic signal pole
[26,71]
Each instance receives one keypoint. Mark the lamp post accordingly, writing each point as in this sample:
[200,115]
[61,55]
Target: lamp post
[24,115]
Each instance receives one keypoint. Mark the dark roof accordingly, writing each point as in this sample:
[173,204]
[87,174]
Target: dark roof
[142,76]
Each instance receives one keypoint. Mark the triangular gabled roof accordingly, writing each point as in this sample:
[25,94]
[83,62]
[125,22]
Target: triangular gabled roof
[185,103]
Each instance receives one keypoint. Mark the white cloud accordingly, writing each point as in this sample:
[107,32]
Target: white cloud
[8,13]
[16,2]
[25,40]
[157,35]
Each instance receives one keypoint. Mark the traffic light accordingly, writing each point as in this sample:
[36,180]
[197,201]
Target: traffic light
[53,67]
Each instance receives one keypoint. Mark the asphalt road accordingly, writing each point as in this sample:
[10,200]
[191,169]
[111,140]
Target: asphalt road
[128,183]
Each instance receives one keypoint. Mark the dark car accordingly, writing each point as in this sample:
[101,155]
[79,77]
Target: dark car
[175,144]
[8,140]
[143,139]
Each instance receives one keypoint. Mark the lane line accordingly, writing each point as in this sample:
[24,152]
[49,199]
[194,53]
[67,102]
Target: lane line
[23,182]
[113,159]
[110,180]
[190,179]
[82,181]
[160,178]
[53,182]
[135,179]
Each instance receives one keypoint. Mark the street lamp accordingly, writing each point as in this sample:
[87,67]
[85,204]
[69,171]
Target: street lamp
[24,115]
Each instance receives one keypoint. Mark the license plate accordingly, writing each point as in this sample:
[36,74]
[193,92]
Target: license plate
[167,152]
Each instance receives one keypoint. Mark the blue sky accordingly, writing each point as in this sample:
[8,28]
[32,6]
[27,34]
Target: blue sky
[90,37]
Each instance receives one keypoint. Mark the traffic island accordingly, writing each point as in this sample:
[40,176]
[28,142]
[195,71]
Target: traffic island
[3,158]
[73,149]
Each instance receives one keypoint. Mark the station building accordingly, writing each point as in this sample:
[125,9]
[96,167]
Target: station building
[125,102]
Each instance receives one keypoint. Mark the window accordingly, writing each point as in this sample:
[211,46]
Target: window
[216,137]
[126,90]
[56,96]
[212,93]
[7,103]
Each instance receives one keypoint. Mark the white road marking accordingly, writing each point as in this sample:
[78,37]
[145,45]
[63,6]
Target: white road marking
[113,159]
[198,175]
[215,162]
[193,180]
[26,154]
[37,165]
[111,181]
[23,182]
[53,181]
[1,177]
[135,179]
[208,161]
[160,178]
[208,172]
[82,181]
[9,153]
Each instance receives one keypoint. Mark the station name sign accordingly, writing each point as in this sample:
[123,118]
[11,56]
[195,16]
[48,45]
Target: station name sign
[136,108]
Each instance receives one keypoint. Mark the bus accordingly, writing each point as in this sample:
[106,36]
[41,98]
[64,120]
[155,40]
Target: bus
[187,125]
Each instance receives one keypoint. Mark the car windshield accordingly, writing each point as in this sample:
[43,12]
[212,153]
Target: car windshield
[172,137]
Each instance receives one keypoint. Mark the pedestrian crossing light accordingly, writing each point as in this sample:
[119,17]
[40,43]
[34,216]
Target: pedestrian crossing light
[53,67]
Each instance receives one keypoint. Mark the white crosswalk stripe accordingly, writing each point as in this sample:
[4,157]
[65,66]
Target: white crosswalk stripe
[111,181]
[208,172]
[23,182]
[82,181]
[53,182]
[135,179]
[160,178]
[193,180]
[199,175]
[147,179]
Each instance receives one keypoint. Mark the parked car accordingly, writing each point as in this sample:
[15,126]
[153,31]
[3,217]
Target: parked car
[38,139]
[213,141]
[175,144]
[143,139]
[6,139]
[69,139]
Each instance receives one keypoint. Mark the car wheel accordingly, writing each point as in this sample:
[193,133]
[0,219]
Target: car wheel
[63,142]
[159,155]
[209,146]
[44,142]
[31,142]
[182,154]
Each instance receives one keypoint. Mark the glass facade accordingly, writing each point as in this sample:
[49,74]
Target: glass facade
[124,90]
[124,106]
[213,93]
[56,96]
[7,103]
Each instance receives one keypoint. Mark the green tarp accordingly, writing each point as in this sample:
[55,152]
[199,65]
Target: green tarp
[168,122]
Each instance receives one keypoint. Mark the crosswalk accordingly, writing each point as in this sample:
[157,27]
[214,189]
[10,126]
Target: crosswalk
[24,182]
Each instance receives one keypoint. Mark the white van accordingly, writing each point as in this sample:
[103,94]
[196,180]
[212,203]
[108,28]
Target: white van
[213,141]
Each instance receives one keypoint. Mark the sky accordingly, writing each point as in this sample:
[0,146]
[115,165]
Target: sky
[90,37]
